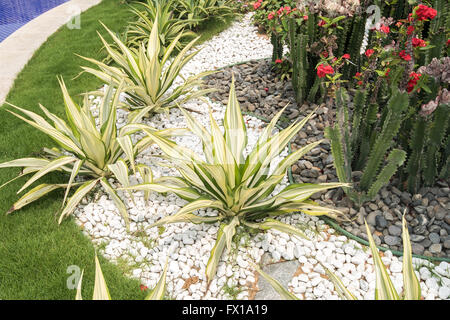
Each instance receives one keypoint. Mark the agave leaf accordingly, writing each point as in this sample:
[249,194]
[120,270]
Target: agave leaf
[269,223]
[80,281]
[216,253]
[411,284]
[76,168]
[302,191]
[127,146]
[222,153]
[26,162]
[34,194]
[101,291]
[159,290]
[199,130]
[117,201]
[282,291]
[294,157]
[183,192]
[93,147]
[120,171]
[229,230]
[235,130]
[46,128]
[77,197]
[52,166]
[384,289]
[340,288]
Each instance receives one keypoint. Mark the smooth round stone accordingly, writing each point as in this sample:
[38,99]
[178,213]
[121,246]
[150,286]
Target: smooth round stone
[416,237]
[417,248]
[394,230]
[392,240]
[380,222]
[447,244]
[434,237]
[435,248]
[444,292]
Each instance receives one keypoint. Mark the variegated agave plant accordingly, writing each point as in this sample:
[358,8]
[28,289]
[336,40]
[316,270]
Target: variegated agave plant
[86,151]
[238,186]
[169,27]
[148,78]
[384,289]
[101,291]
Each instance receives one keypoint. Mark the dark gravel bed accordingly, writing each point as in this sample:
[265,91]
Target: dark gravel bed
[427,212]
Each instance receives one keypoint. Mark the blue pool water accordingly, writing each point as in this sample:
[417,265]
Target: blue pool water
[16,13]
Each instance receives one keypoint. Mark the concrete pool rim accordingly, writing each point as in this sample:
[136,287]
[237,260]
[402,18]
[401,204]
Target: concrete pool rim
[18,48]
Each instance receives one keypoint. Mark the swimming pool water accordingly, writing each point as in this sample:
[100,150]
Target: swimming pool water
[16,13]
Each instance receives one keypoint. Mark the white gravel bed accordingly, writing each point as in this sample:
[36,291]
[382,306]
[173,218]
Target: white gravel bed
[186,246]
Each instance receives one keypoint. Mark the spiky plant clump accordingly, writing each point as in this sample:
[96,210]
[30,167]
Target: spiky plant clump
[89,153]
[239,187]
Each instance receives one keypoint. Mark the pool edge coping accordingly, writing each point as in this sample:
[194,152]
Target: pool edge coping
[16,51]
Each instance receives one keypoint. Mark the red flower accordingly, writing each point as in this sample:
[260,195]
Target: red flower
[384,29]
[448,42]
[358,74]
[360,83]
[321,23]
[404,55]
[278,61]
[266,89]
[422,12]
[287,9]
[280,11]
[256,5]
[305,17]
[410,30]
[413,78]
[416,42]
[369,52]
[346,56]
[386,74]
[271,15]
[323,70]
[143,288]
[325,54]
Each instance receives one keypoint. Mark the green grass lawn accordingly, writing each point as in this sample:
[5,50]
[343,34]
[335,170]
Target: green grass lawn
[35,251]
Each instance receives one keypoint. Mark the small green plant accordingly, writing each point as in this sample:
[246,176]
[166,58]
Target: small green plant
[239,187]
[148,78]
[169,27]
[90,154]
[232,291]
[196,11]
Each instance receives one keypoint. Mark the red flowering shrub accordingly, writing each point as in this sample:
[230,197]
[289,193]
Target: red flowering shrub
[384,29]
[402,54]
[422,12]
[369,52]
[323,70]
[416,42]
[413,78]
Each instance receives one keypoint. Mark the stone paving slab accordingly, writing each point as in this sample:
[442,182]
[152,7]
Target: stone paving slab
[281,271]
[19,47]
